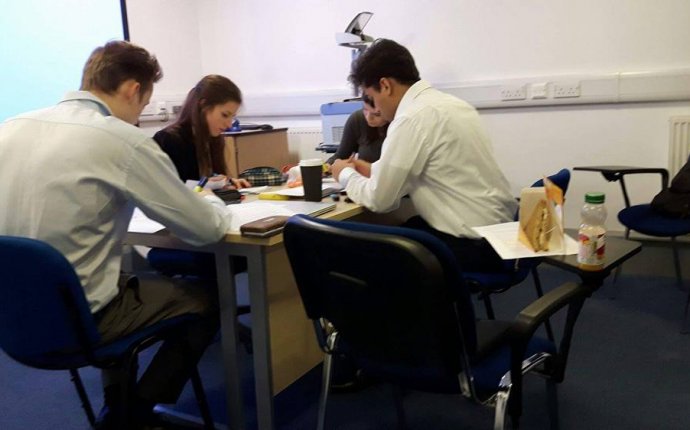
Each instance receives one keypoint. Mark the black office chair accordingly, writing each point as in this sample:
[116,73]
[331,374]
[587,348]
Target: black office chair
[45,322]
[485,284]
[643,219]
[394,300]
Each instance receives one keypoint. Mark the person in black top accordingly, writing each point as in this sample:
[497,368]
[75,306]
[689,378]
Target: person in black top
[195,145]
[364,133]
[194,142]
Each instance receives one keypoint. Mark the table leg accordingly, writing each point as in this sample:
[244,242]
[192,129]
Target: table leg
[227,301]
[258,299]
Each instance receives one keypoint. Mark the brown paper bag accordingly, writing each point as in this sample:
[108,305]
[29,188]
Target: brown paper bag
[541,218]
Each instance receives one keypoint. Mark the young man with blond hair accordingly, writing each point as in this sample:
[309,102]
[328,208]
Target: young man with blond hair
[71,176]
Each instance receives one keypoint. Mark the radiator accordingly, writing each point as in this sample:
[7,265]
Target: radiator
[679,145]
[304,140]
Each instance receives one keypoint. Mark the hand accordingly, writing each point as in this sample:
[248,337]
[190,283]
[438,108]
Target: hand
[363,167]
[339,165]
[240,183]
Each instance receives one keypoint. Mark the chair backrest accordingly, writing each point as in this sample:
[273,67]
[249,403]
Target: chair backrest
[394,294]
[43,309]
[561,178]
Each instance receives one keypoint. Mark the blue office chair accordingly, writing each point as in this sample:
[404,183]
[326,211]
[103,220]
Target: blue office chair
[642,219]
[484,284]
[394,300]
[45,322]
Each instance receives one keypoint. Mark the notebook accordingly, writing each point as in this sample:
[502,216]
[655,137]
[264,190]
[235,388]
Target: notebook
[251,211]
[326,190]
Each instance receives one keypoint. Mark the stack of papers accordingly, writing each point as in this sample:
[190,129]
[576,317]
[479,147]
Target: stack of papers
[252,211]
[140,223]
[241,213]
[299,191]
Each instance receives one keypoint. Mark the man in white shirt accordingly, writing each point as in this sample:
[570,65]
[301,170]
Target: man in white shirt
[71,176]
[436,151]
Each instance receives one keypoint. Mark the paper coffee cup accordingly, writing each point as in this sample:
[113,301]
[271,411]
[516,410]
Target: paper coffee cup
[311,170]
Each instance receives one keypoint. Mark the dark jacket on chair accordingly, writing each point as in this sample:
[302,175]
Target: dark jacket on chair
[674,201]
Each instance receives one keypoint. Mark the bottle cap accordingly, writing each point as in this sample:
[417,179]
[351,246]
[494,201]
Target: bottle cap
[595,198]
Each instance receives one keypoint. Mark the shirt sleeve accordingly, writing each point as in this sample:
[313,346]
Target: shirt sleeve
[154,186]
[349,142]
[393,175]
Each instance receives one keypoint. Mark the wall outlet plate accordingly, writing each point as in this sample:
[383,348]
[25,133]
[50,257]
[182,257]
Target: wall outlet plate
[539,90]
[566,89]
[518,92]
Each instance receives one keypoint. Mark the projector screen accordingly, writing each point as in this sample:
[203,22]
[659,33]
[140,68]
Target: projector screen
[44,45]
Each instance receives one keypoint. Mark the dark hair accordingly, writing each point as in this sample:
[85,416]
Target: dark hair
[110,65]
[212,90]
[384,59]
[374,133]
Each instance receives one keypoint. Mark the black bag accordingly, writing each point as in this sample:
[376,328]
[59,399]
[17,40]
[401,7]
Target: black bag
[675,200]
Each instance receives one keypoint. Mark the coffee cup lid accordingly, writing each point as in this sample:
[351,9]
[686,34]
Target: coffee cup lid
[311,162]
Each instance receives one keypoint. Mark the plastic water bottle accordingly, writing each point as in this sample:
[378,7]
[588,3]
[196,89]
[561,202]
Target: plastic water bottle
[591,236]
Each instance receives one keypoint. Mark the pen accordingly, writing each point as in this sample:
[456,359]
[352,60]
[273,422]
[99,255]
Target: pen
[200,184]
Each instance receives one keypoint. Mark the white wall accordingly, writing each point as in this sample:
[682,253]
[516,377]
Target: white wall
[275,50]
[170,30]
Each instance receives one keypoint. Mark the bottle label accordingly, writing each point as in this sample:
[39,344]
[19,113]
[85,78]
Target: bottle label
[591,249]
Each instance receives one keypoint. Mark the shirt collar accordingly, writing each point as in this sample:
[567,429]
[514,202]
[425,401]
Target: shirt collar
[89,97]
[412,94]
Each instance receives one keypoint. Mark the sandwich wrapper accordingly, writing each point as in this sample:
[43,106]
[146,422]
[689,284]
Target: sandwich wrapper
[541,218]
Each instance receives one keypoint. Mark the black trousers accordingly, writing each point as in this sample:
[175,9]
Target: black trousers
[146,300]
[473,255]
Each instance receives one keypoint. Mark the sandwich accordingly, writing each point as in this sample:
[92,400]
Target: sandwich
[538,229]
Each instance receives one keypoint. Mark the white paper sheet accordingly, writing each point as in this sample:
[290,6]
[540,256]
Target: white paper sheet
[504,239]
[252,211]
[240,214]
[140,223]
[299,191]
[253,190]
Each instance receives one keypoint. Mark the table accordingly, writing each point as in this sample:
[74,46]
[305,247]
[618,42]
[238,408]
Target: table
[282,337]
[617,252]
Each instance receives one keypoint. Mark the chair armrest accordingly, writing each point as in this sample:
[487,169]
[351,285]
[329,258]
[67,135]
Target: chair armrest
[617,173]
[528,320]
[614,173]
[531,317]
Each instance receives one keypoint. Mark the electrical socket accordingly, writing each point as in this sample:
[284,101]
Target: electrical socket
[176,109]
[539,90]
[161,108]
[566,89]
[514,93]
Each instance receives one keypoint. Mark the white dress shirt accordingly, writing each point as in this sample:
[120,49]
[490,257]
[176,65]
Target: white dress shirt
[436,151]
[72,174]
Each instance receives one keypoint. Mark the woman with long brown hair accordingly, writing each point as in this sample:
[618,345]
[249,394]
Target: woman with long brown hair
[195,145]
[194,142]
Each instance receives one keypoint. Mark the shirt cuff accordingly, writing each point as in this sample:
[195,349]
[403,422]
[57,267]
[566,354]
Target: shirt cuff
[215,200]
[345,176]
